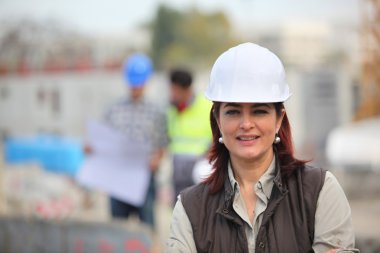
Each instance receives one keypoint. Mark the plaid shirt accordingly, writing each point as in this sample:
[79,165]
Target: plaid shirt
[142,122]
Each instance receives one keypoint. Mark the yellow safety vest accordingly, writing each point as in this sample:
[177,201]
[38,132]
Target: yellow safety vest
[190,131]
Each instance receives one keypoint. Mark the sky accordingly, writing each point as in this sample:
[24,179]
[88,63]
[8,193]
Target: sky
[114,16]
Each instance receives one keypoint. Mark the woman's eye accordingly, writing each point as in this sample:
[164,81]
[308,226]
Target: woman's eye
[232,112]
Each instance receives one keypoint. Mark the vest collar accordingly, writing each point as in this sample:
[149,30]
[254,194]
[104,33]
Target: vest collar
[226,209]
[278,179]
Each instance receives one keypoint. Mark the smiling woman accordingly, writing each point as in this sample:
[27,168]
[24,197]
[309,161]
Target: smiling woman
[248,131]
[259,197]
[282,138]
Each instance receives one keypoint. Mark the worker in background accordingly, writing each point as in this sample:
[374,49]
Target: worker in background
[188,127]
[142,122]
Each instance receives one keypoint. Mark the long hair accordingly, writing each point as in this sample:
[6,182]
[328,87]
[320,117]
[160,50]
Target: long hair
[219,154]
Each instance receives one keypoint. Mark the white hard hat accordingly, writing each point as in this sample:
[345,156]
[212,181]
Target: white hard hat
[248,73]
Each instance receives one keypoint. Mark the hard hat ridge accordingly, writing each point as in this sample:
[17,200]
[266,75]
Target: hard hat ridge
[248,73]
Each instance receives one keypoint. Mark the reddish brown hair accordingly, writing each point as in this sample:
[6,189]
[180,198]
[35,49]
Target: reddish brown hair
[219,155]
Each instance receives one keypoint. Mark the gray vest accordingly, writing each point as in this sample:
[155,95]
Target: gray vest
[287,225]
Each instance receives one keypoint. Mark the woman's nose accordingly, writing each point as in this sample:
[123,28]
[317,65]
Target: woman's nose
[247,122]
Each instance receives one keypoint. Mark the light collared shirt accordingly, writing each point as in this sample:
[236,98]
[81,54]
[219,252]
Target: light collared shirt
[263,189]
[333,224]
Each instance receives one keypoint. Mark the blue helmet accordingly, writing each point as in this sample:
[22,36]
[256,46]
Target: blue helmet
[137,69]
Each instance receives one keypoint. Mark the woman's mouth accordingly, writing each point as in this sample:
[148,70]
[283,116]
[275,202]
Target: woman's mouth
[248,138]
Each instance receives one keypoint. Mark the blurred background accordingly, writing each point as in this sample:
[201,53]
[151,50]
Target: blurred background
[60,65]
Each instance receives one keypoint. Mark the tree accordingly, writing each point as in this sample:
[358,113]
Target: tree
[193,39]
[164,32]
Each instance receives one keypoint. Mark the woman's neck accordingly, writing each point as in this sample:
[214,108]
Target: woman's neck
[248,172]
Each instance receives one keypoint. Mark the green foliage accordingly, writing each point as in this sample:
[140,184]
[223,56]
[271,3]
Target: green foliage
[192,39]
[164,32]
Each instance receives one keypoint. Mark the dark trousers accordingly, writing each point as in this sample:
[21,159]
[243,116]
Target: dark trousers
[121,209]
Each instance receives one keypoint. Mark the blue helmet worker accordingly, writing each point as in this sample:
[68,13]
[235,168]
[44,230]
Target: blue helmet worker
[143,124]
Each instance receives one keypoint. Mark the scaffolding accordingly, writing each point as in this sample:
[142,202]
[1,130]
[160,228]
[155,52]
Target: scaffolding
[370,79]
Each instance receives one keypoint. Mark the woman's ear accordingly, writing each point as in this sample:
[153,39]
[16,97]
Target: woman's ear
[279,120]
[214,114]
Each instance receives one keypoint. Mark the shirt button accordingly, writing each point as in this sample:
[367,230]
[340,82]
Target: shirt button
[261,245]
[225,210]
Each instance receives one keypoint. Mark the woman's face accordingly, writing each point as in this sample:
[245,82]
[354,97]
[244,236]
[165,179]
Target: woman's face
[248,129]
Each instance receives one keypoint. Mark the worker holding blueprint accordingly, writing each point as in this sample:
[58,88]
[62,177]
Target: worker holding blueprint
[126,148]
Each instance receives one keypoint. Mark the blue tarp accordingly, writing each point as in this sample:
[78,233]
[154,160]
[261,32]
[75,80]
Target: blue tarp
[53,153]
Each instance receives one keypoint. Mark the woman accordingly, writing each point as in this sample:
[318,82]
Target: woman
[258,198]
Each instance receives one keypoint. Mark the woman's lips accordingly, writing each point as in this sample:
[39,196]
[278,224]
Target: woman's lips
[247,137]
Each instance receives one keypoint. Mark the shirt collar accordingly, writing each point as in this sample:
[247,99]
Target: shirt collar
[265,182]
[231,176]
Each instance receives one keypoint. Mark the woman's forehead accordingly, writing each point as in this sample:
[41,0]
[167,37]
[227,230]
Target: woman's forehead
[253,105]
